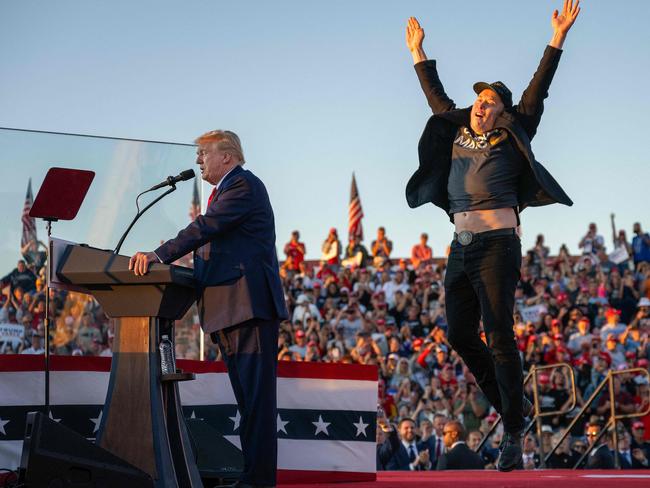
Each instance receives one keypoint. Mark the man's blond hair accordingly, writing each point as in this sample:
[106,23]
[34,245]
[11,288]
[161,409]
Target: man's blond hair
[227,141]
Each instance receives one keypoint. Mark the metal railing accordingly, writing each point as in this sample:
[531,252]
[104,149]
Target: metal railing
[611,422]
[537,413]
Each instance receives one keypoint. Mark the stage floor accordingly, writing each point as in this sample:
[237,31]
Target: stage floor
[493,479]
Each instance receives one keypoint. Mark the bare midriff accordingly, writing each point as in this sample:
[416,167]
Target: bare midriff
[482,220]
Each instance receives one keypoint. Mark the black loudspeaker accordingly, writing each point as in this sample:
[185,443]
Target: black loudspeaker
[56,457]
[216,457]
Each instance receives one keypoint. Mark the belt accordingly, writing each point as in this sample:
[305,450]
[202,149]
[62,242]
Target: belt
[466,237]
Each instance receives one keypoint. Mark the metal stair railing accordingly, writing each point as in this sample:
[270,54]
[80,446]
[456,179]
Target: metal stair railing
[538,415]
[611,422]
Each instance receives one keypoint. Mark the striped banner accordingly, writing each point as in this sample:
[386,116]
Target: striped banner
[326,412]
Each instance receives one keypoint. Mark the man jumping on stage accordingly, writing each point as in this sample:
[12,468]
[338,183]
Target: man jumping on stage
[477,164]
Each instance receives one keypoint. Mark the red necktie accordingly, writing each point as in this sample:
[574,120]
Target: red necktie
[212,195]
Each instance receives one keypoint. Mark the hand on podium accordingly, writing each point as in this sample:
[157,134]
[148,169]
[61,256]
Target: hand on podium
[140,262]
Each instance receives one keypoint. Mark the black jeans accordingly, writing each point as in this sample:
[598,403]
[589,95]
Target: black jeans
[480,283]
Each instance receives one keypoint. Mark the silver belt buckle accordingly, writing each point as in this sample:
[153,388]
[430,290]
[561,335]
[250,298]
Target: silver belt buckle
[465,237]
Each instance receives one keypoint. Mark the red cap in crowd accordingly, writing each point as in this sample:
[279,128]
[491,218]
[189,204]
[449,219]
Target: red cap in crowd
[606,357]
[492,417]
[544,379]
[637,424]
[642,363]
[300,333]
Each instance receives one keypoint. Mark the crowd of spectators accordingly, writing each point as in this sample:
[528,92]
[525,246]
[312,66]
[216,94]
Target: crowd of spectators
[590,311]
[361,305]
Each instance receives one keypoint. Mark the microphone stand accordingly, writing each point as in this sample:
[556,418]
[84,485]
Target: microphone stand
[139,214]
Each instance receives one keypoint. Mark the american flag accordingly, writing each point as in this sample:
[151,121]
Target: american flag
[355,212]
[29,223]
[195,206]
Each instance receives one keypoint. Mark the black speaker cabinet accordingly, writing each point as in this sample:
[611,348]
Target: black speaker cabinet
[56,457]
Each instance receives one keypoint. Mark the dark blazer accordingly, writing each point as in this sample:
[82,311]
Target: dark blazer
[386,449]
[235,261]
[429,183]
[632,464]
[430,444]
[460,457]
[393,455]
[600,458]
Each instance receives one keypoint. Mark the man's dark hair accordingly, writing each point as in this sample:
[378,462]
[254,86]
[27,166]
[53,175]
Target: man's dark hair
[405,419]
[458,427]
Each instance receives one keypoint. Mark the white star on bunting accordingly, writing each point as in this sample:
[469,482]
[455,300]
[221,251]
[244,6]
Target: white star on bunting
[321,426]
[52,417]
[361,427]
[236,419]
[282,424]
[2,426]
[97,421]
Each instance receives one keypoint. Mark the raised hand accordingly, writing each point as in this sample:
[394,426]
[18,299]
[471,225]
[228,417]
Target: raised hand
[414,38]
[562,22]
[414,34]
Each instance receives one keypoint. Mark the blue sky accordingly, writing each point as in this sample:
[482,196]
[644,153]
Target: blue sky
[318,90]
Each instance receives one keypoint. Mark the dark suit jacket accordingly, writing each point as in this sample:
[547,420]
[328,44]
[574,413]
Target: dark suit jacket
[235,262]
[601,458]
[430,443]
[393,455]
[632,464]
[460,457]
[536,186]
[386,450]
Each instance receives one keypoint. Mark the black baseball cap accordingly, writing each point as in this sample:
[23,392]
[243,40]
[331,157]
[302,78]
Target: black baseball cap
[497,87]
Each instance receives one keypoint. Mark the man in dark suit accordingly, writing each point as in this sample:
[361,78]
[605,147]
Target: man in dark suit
[600,457]
[458,455]
[626,457]
[404,453]
[240,297]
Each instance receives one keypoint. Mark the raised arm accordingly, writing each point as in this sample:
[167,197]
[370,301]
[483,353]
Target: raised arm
[426,69]
[531,106]
[414,38]
[562,22]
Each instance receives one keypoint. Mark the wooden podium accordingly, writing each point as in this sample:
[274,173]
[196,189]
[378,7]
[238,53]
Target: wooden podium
[142,421]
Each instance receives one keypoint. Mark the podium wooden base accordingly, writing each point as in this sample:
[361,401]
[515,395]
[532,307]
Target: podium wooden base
[142,420]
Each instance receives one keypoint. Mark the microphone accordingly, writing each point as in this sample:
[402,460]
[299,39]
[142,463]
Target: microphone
[172,180]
